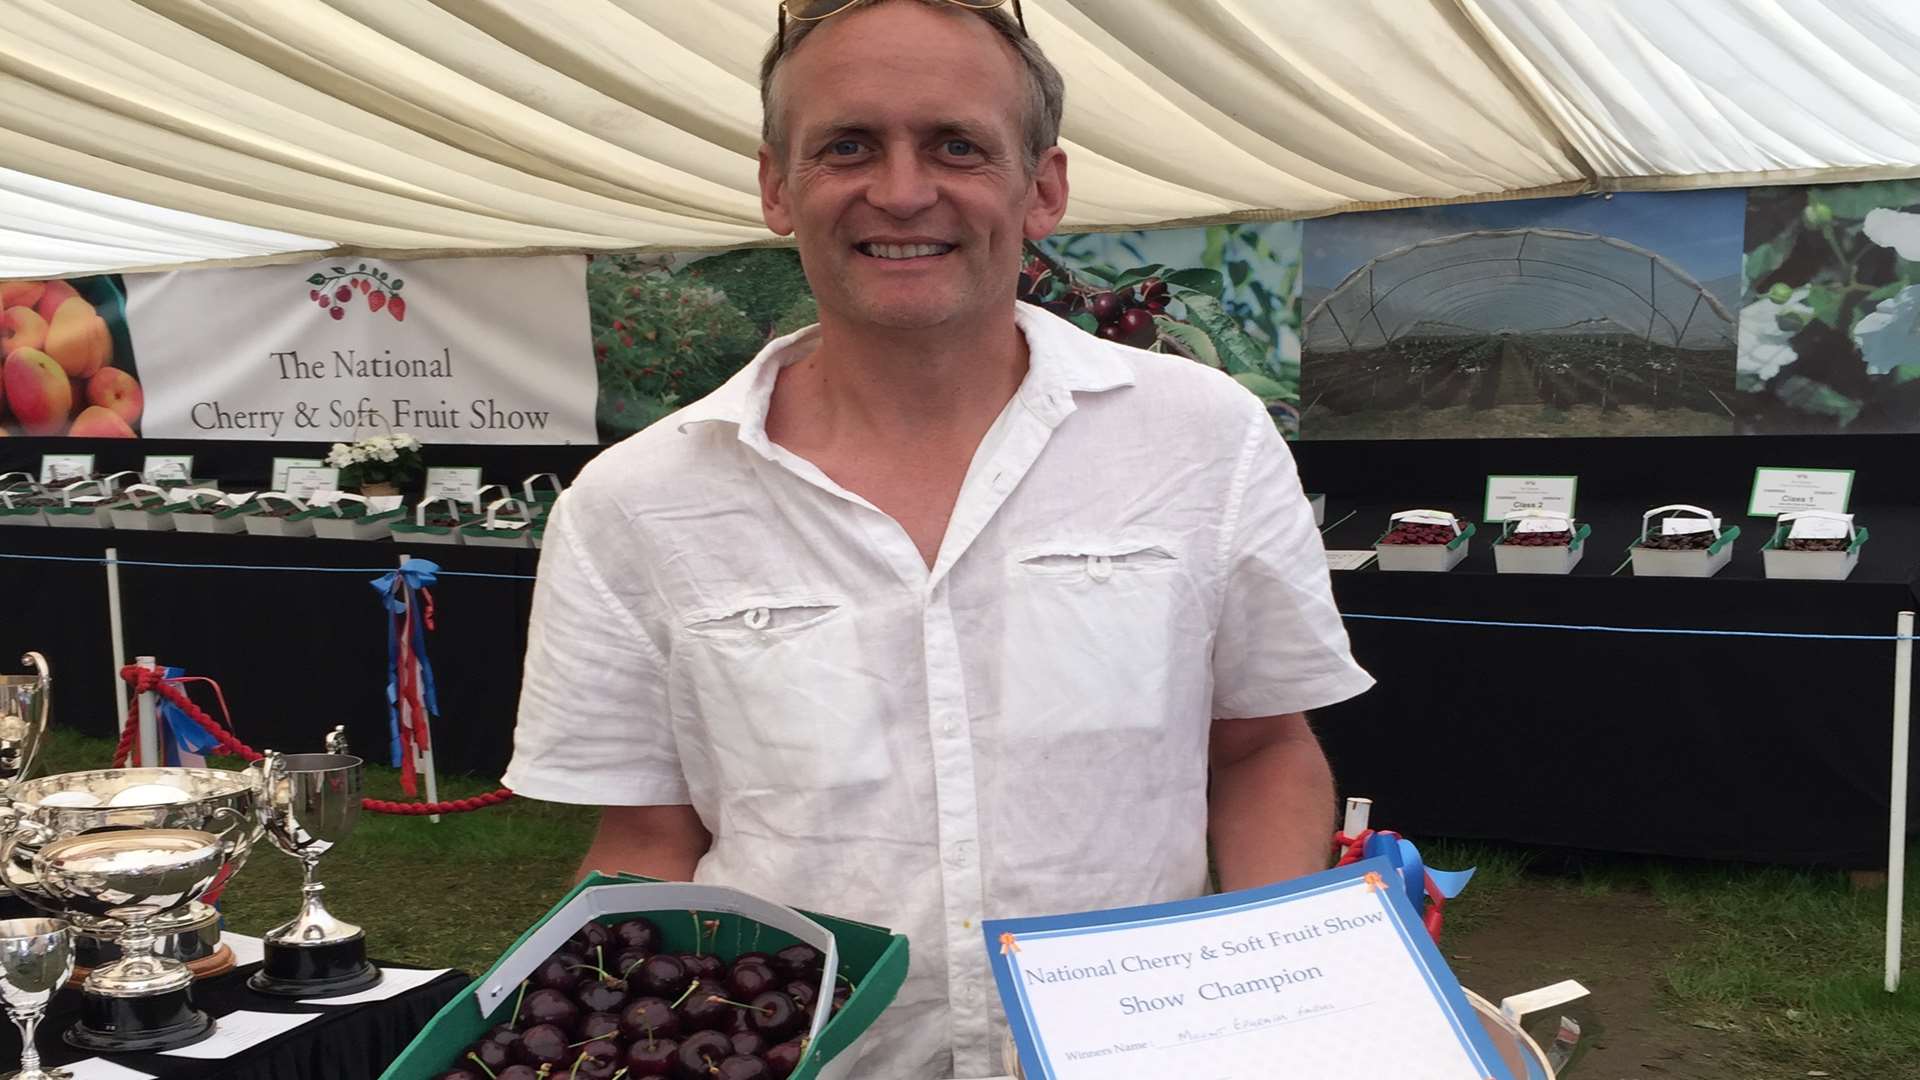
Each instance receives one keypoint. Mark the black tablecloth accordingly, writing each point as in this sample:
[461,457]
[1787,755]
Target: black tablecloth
[344,1042]
[1768,749]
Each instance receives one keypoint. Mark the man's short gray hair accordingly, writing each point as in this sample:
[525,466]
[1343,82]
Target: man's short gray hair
[1046,90]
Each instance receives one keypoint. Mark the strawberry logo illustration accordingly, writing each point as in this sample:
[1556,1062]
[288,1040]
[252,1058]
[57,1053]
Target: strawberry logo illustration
[334,292]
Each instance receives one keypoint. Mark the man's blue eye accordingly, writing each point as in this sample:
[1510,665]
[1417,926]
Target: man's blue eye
[844,146]
[959,147]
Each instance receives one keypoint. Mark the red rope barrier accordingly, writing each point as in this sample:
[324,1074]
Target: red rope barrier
[145,680]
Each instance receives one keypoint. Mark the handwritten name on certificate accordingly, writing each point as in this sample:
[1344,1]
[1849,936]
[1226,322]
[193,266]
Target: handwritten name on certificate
[1328,975]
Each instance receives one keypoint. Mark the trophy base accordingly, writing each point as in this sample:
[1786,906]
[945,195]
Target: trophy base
[315,971]
[118,1025]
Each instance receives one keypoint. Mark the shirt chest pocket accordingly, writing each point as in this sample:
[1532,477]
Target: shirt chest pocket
[1095,631]
[783,691]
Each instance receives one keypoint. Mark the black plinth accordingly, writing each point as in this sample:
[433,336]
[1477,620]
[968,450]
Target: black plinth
[315,971]
[118,1025]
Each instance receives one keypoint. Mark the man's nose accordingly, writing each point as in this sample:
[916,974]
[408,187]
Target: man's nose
[902,185]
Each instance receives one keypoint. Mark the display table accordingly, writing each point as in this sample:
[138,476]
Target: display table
[295,652]
[341,1042]
[1766,749]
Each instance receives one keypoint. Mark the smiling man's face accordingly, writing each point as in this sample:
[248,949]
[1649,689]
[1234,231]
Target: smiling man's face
[903,179]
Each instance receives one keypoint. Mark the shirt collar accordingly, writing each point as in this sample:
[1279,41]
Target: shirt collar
[1062,360]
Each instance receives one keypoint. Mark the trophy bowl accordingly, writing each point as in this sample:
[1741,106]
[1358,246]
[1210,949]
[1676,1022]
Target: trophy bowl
[54,808]
[23,718]
[128,877]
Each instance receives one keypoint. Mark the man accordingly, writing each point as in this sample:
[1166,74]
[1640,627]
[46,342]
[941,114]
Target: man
[941,610]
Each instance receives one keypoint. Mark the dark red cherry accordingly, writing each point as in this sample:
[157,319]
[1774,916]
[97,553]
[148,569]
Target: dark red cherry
[776,1016]
[550,1007]
[637,934]
[545,1044]
[783,1058]
[801,961]
[699,1054]
[651,1057]
[750,979]
[661,976]
[743,1067]
[649,1018]
[597,995]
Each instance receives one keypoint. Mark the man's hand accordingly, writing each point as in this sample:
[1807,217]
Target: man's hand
[1270,806]
[663,842]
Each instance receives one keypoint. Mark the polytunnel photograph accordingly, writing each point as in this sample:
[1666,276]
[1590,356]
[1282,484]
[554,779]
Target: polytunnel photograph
[1591,315]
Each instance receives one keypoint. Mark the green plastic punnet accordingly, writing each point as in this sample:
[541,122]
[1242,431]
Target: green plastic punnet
[872,958]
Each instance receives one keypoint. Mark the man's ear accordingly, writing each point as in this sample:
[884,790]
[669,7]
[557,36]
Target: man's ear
[1047,195]
[773,192]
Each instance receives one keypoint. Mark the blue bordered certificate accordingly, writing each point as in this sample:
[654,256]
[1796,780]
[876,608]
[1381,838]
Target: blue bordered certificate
[1327,975]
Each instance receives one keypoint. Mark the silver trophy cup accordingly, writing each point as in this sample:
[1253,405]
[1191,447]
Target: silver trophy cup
[130,877]
[311,803]
[36,958]
[23,719]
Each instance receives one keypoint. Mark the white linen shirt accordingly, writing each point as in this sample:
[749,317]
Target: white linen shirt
[1020,731]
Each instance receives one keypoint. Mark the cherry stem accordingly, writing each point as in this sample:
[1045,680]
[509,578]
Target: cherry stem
[633,965]
[698,936]
[514,1017]
[475,1058]
[768,1011]
[691,987]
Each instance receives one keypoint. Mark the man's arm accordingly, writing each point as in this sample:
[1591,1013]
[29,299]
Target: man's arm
[663,842]
[1270,805]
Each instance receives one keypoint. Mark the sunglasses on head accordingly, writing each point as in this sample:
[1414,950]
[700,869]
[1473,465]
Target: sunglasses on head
[815,10]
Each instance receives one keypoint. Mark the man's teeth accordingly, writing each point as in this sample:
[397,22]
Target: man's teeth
[904,251]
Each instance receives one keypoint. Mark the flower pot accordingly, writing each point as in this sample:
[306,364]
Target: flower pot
[385,487]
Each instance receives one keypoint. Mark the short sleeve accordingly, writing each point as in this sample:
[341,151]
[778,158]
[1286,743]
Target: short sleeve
[1281,646]
[594,726]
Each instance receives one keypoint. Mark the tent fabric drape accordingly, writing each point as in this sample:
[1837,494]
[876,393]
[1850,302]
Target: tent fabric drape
[181,132]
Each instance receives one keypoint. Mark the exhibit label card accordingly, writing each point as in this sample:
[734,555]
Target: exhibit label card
[1516,494]
[1304,978]
[65,468]
[304,480]
[158,467]
[461,483]
[1783,491]
[1350,560]
[283,465]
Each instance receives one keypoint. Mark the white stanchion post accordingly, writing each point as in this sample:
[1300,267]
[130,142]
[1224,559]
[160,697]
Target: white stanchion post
[118,630]
[149,722]
[423,757]
[1897,800]
[1359,812]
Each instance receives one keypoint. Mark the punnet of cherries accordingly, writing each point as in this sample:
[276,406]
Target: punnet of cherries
[1693,541]
[613,1002]
[1125,314]
[1419,532]
[1557,538]
[1817,543]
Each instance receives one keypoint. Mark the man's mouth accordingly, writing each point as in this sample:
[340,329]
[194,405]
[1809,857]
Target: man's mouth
[902,251]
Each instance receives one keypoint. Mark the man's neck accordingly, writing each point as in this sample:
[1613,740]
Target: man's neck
[908,388]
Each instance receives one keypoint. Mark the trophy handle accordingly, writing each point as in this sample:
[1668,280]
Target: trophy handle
[39,664]
[21,829]
[235,837]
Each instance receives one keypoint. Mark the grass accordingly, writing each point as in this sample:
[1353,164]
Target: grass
[1793,959]
[450,894]
[1790,958]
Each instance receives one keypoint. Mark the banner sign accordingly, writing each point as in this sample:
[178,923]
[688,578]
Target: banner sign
[482,350]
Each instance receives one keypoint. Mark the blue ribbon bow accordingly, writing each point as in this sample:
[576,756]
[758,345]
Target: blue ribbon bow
[412,575]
